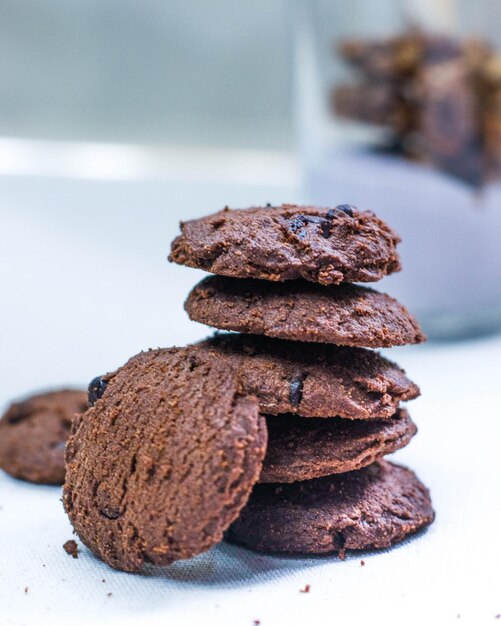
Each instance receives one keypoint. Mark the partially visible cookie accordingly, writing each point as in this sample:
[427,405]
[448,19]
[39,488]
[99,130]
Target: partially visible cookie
[163,461]
[374,507]
[345,315]
[33,435]
[316,380]
[302,449]
[328,246]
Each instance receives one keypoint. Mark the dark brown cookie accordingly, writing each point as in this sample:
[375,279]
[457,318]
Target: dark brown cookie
[313,381]
[164,460]
[301,449]
[33,435]
[345,315]
[327,246]
[374,507]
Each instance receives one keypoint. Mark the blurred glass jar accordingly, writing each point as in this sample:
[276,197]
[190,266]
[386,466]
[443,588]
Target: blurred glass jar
[398,109]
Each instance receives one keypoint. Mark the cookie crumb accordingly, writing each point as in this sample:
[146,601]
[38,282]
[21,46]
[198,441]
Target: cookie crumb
[362,563]
[109,594]
[71,548]
[306,589]
[26,589]
[256,622]
[497,616]
[104,580]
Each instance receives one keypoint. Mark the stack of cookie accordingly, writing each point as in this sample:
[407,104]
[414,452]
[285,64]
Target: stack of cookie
[167,458]
[331,405]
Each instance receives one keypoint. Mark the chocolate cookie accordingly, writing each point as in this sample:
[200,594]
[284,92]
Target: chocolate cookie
[374,507]
[164,460]
[319,381]
[33,435]
[328,246]
[301,449]
[345,315]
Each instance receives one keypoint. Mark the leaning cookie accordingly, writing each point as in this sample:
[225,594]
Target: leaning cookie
[33,435]
[346,315]
[302,449]
[328,246]
[320,381]
[163,461]
[374,507]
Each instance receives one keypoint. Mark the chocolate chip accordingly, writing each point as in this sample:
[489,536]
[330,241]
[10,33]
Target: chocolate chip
[97,387]
[345,208]
[296,225]
[324,224]
[296,390]
[299,222]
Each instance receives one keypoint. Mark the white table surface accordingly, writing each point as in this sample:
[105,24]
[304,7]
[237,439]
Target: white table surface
[85,284]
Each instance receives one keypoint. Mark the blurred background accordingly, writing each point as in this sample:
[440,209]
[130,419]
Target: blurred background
[177,72]
[118,119]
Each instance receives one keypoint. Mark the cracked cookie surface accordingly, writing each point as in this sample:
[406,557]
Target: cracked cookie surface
[374,507]
[317,381]
[302,449]
[278,243]
[163,461]
[33,435]
[346,315]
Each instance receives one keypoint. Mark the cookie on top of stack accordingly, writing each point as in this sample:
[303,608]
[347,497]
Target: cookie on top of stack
[332,411]
[272,436]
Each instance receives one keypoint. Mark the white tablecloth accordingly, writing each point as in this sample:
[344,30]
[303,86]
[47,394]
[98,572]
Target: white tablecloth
[84,285]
